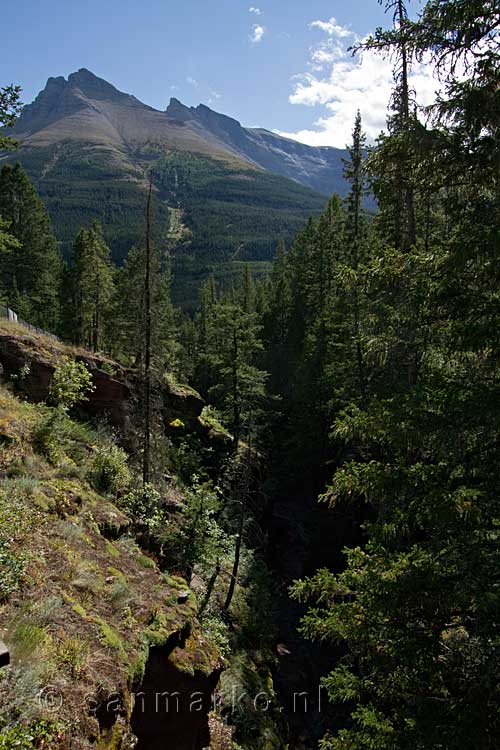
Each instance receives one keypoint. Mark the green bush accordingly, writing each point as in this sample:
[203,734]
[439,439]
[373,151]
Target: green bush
[109,471]
[71,384]
[144,506]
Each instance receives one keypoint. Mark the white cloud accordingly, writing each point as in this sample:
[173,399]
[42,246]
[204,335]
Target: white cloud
[342,84]
[257,11]
[331,27]
[192,81]
[257,33]
[213,96]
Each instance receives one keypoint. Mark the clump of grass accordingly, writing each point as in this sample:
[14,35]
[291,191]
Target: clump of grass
[119,593]
[46,610]
[49,436]
[25,637]
[23,484]
[71,653]
[69,530]
[88,578]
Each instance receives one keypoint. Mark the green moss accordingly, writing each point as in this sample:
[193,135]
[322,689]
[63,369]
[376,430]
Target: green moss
[163,626]
[116,573]
[145,562]
[137,667]
[110,638]
[80,610]
[196,655]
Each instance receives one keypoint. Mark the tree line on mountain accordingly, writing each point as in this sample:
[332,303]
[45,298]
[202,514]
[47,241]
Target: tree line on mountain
[377,339]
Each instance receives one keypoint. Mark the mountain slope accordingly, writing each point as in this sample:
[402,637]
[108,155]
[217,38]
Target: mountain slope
[88,108]
[317,168]
[88,147]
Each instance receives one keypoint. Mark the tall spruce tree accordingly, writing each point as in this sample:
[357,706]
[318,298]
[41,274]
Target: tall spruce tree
[91,283]
[416,607]
[392,166]
[31,272]
[238,384]
[356,239]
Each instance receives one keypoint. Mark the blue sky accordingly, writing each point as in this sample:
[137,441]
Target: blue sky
[276,64]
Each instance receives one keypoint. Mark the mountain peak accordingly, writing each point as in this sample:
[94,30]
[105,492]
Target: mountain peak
[87,109]
[94,87]
[176,110]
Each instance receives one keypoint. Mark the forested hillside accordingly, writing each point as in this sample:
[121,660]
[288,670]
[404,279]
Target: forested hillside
[323,508]
[86,146]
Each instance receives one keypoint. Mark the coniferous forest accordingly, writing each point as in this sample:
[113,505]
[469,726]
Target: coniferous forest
[337,505]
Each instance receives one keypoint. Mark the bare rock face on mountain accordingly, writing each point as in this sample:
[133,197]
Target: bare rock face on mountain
[87,108]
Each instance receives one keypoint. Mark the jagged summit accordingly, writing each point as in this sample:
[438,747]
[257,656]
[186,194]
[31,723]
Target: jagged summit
[93,86]
[86,108]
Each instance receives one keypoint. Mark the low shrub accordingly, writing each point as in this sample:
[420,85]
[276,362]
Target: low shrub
[109,472]
[39,734]
[144,506]
[71,384]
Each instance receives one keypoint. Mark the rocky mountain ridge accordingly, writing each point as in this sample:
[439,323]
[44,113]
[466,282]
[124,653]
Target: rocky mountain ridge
[86,107]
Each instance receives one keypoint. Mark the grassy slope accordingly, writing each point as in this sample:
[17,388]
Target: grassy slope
[79,602]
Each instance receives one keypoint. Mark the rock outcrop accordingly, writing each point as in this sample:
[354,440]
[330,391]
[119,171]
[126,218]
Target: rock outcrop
[29,359]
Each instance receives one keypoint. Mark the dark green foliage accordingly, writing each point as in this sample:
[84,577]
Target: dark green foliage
[7,240]
[233,214]
[89,285]
[411,351]
[31,271]
[226,356]
[9,109]
[129,310]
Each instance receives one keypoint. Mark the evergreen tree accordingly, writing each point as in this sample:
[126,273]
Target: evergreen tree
[129,310]
[416,607]
[91,281]
[7,240]
[248,291]
[31,272]
[276,323]
[356,240]
[238,388]
[392,166]
[10,107]
[204,324]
